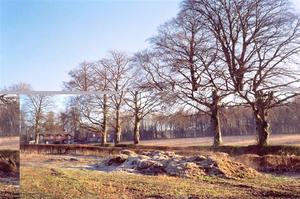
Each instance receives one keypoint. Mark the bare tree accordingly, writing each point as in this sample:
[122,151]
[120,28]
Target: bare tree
[189,65]
[70,120]
[15,115]
[36,107]
[102,83]
[93,108]
[9,115]
[53,123]
[81,78]
[120,76]
[259,44]
[142,98]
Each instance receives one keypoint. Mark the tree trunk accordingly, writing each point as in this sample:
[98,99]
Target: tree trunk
[260,109]
[118,128]
[136,133]
[137,119]
[262,126]
[104,138]
[37,136]
[37,125]
[105,112]
[215,119]
[36,131]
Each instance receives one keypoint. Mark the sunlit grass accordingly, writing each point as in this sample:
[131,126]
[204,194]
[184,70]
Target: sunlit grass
[71,183]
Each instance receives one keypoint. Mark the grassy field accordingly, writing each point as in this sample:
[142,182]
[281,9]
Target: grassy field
[71,176]
[56,176]
[71,183]
[11,143]
[282,139]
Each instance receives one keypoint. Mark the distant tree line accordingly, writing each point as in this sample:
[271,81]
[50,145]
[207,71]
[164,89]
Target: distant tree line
[9,115]
[236,121]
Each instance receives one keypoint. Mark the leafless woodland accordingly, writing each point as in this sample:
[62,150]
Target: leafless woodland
[9,115]
[218,68]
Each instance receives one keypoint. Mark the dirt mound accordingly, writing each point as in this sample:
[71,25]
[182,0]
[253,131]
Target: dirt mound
[272,163]
[9,163]
[7,169]
[169,163]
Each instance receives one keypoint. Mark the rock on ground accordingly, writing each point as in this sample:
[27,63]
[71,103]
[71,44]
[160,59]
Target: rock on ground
[169,163]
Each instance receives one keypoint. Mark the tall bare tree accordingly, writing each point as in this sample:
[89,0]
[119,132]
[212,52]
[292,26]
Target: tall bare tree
[35,107]
[9,115]
[142,99]
[189,65]
[259,44]
[101,79]
[120,76]
[93,108]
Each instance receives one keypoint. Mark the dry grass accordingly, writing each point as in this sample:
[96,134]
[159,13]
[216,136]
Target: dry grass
[70,183]
[54,176]
[62,161]
[11,143]
[282,139]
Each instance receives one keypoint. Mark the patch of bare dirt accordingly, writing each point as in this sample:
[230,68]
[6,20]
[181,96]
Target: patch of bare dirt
[9,164]
[9,174]
[57,161]
[272,163]
[9,191]
[8,169]
[9,183]
[169,163]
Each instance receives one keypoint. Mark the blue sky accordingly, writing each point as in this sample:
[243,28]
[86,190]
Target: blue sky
[41,40]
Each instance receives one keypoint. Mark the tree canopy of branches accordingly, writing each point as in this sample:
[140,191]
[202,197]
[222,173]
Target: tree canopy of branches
[93,109]
[142,99]
[36,107]
[188,67]
[259,41]
[120,77]
[211,55]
